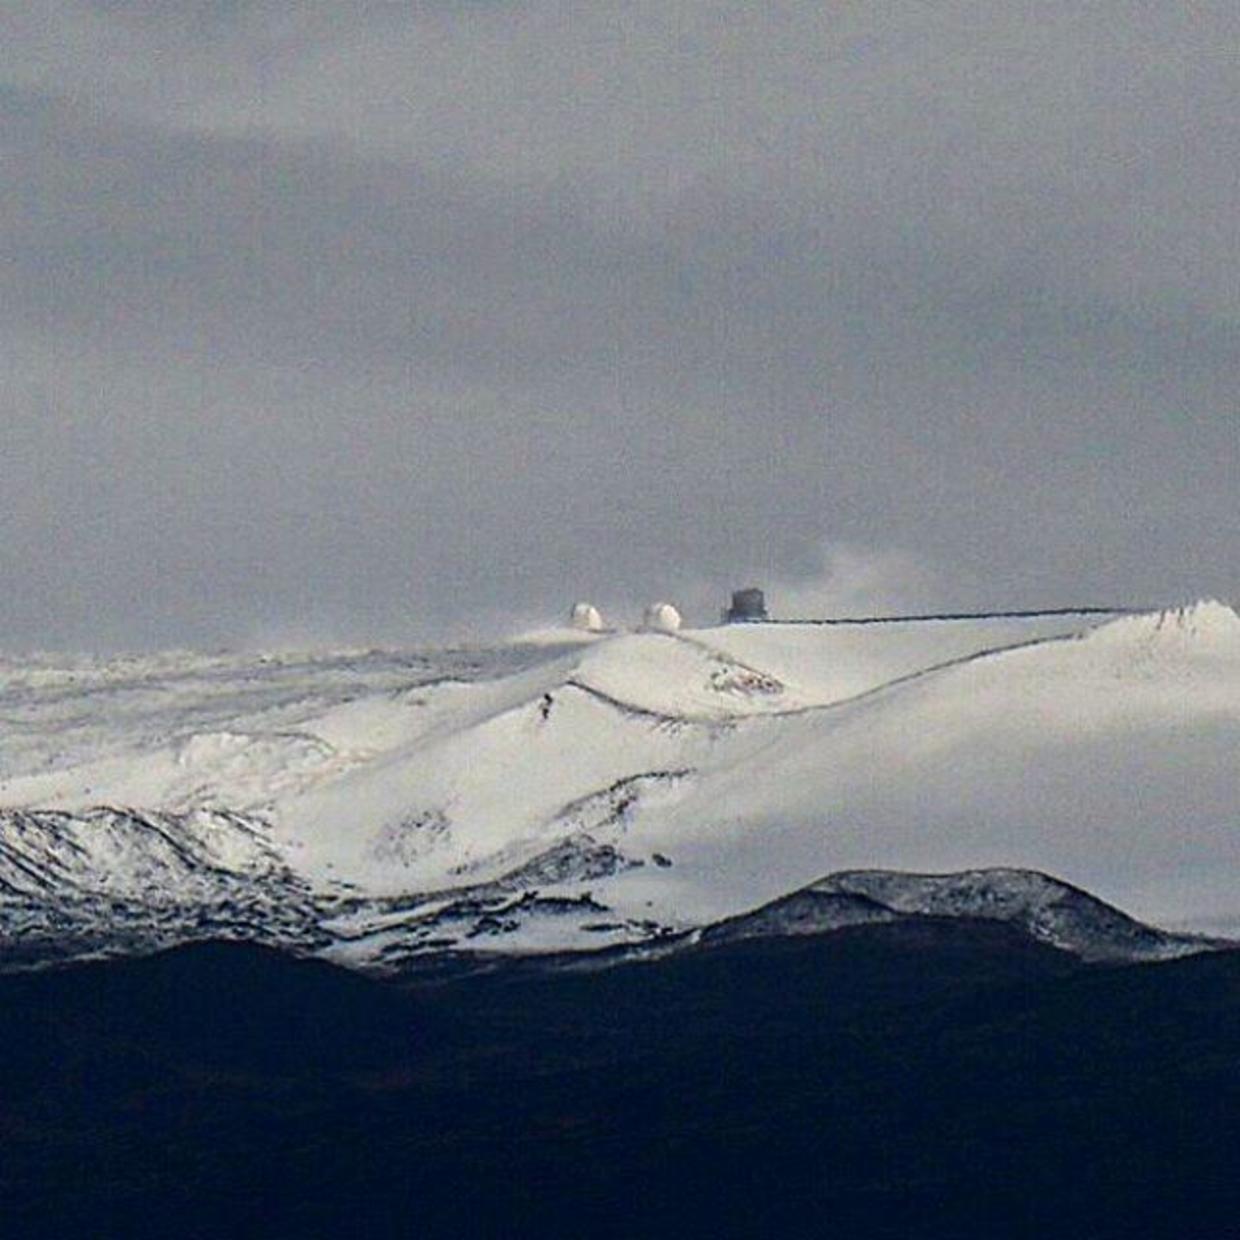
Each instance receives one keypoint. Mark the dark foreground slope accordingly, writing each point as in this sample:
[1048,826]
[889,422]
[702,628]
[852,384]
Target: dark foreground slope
[942,1079]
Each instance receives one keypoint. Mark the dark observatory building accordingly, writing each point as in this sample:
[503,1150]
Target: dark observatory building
[748,606]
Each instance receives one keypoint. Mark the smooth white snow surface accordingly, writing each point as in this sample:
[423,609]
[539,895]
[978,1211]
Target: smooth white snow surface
[550,794]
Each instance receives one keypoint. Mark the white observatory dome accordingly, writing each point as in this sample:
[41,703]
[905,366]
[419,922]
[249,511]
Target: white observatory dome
[586,617]
[661,618]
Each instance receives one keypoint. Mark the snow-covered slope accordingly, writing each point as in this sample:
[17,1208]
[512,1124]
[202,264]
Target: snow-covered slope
[602,789]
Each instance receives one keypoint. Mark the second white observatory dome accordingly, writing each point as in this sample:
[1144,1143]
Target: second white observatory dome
[661,618]
[586,617]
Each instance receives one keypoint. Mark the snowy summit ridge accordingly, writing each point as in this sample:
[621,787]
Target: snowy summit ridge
[602,788]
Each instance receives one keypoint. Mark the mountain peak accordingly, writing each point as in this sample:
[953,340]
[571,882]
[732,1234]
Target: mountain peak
[1046,908]
[616,790]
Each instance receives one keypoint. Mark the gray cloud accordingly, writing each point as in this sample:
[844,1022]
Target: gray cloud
[372,321]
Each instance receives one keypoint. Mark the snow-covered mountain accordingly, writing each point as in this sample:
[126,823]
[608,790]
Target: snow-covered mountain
[576,789]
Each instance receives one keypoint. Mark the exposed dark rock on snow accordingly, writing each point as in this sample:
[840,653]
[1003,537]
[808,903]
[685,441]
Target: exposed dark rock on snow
[111,881]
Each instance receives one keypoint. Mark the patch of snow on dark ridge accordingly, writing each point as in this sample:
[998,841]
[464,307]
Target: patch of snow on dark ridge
[1046,908]
[804,912]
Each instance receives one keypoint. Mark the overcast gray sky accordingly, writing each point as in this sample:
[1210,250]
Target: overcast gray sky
[363,321]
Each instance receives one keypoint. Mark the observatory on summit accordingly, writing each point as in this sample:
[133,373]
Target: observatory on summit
[748,607]
[586,617]
[661,618]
